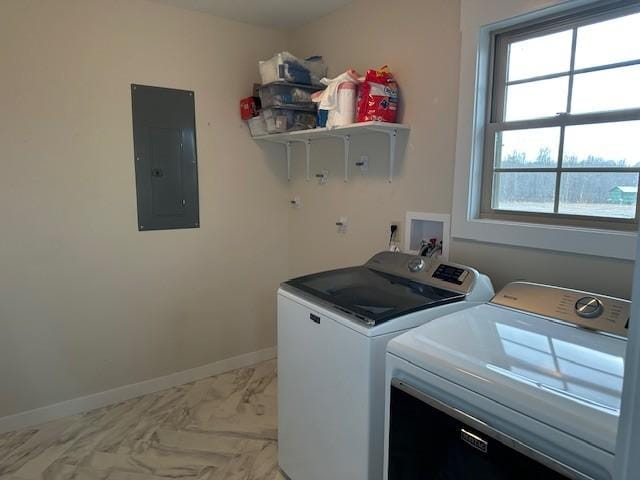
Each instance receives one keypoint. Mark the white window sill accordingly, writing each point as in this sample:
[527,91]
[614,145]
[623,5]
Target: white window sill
[585,241]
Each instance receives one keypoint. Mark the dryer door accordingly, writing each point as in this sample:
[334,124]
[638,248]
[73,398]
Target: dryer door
[430,440]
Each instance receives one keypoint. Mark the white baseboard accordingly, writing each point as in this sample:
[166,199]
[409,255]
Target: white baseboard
[126,392]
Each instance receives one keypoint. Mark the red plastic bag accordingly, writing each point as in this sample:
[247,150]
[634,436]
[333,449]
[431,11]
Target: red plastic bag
[378,97]
[249,108]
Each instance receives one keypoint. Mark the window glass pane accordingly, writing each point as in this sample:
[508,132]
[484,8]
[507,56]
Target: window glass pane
[523,337]
[614,89]
[602,145]
[540,56]
[534,147]
[544,98]
[524,191]
[599,194]
[607,363]
[613,41]
[595,375]
[529,355]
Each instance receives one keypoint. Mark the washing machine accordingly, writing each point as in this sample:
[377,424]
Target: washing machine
[527,386]
[333,328]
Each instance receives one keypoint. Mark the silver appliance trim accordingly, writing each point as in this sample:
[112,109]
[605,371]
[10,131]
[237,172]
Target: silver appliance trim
[600,313]
[425,271]
[497,435]
[328,305]
[365,321]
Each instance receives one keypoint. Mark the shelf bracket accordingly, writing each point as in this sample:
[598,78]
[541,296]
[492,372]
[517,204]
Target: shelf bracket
[345,132]
[307,145]
[287,146]
[346,139]
[393,136]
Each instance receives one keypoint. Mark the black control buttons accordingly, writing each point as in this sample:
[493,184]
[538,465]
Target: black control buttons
[450,274]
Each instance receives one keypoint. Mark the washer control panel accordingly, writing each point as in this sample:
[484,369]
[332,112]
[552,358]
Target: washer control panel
[450,273]
[446,275]
[596,312]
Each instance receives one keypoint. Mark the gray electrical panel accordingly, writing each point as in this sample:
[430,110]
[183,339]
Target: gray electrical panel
[166,164]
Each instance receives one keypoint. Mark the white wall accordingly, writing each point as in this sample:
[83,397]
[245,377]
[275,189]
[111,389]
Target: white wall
[421,41]
[87,302]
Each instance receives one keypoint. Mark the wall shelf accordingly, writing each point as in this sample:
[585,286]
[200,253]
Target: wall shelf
[344,133]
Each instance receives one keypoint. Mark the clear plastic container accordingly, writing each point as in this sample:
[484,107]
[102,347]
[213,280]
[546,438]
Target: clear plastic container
[258,126]
[286,94]
[281,120]
[284,67]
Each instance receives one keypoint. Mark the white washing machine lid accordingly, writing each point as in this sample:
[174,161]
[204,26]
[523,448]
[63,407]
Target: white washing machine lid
[391,285]
[567,377]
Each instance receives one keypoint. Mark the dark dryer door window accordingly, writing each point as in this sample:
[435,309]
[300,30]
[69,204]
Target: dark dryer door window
[372,295]
[164,134]
[425,443]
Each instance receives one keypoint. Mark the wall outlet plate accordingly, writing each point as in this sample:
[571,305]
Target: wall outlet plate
[296,201]
[397,235]
[363,163]
[323,177]
[342,224]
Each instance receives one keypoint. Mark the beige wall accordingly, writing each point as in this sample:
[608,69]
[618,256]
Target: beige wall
[421,41]
[88,303]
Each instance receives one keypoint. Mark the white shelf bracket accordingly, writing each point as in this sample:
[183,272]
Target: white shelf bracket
[346,139]
[307,145]
[345,132]
[347,145]
[288,148]
[393,136]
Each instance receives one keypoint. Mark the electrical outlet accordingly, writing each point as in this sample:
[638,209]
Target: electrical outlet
[296,202]
[396,236]
[322,177]
[363,163]
[342,224]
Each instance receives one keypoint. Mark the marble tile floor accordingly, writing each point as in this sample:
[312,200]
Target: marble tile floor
[221,427]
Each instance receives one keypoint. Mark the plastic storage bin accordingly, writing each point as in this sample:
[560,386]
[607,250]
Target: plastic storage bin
[258,126]
[284,67]
[279,120]
[286,94]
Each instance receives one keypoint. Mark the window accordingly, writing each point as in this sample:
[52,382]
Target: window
[562,138]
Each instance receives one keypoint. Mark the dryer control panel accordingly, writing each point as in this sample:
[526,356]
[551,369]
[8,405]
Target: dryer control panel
[588,310]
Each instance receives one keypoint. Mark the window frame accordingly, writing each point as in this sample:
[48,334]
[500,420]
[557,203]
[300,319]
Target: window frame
[500,39]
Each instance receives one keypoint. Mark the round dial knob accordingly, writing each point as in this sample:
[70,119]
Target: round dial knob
[589,307]
[416,265]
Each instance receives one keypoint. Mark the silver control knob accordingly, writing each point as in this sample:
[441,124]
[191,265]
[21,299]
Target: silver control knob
[589,307]
[415,265]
